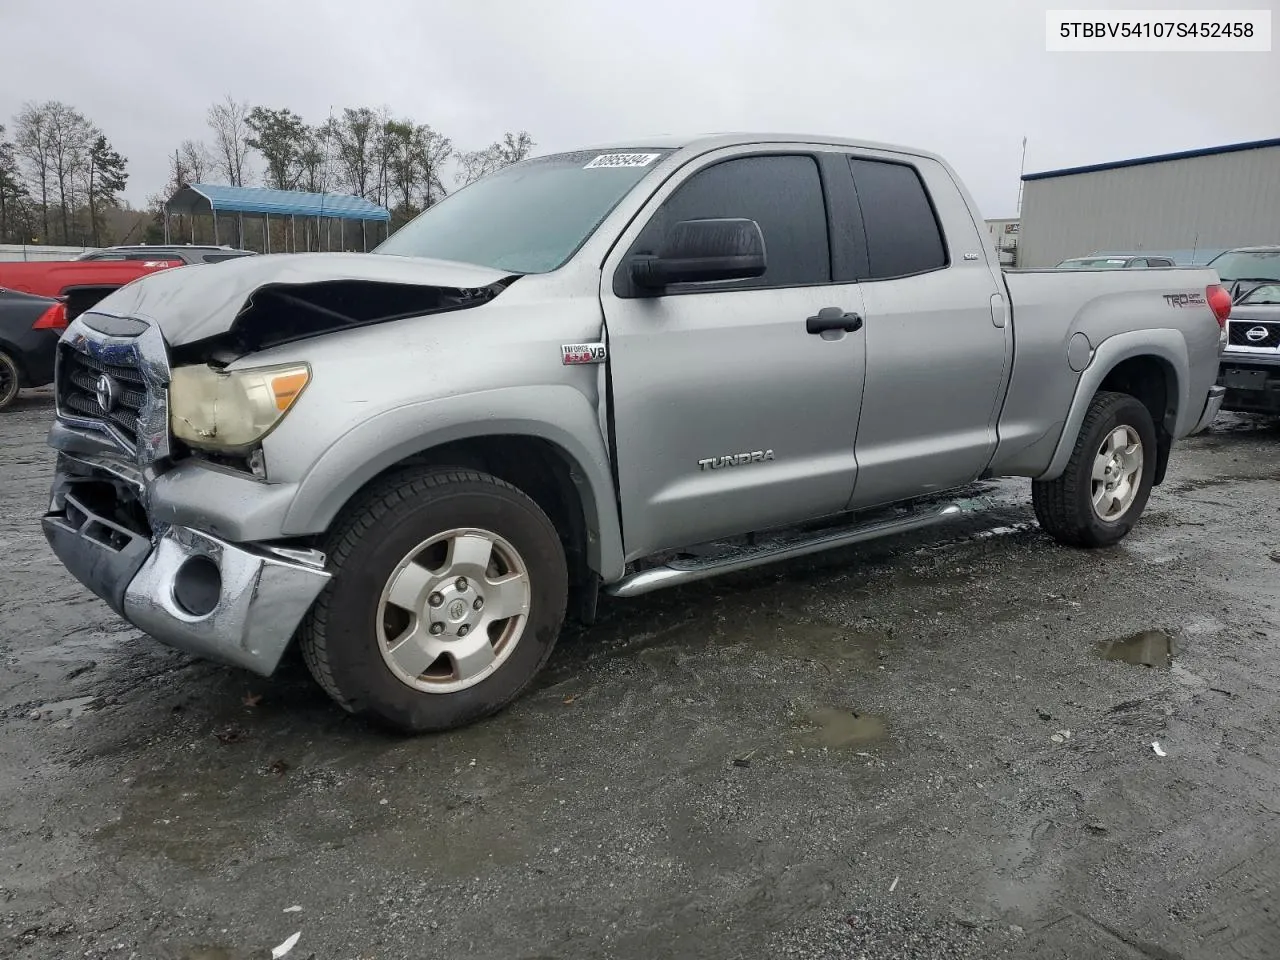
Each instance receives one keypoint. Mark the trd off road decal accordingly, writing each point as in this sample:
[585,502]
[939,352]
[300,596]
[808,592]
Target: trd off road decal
[1185,299]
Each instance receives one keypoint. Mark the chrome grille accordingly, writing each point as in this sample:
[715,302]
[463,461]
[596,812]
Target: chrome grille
[77,391]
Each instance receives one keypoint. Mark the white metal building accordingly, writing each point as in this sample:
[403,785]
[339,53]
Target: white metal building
[1004,237]
[1193,202]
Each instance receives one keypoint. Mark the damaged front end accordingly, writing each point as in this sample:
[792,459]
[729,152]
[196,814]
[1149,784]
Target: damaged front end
[281,313]
[150,421]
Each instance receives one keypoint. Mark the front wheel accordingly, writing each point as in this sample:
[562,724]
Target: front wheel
[448,593]
[1104,488]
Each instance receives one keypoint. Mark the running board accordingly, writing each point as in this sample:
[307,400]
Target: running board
[679,572]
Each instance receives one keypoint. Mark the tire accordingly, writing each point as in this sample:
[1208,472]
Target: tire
[10,380]
[1065,507]
[405,559]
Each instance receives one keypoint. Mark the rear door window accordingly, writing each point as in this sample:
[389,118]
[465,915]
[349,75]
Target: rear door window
[903,234]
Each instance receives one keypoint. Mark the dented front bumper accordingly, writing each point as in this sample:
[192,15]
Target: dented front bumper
[233,603]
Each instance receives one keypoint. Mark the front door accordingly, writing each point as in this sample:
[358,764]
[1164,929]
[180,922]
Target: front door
[728,415]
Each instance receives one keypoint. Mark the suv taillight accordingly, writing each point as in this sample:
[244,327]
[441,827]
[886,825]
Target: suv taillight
[1219,302]
[55,318]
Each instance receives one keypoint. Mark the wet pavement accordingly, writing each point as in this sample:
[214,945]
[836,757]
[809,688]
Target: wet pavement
[966,743]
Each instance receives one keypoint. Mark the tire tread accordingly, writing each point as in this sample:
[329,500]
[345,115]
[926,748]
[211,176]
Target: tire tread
[352,524]
[1055,501]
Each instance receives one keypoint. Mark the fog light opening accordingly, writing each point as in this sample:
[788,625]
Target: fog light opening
[196,586]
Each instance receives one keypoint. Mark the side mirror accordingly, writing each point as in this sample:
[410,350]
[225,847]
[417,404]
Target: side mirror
[699,251]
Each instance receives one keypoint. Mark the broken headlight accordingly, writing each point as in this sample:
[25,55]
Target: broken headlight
[232,410]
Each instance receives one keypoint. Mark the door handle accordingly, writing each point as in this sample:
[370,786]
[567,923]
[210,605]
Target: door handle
[833,318]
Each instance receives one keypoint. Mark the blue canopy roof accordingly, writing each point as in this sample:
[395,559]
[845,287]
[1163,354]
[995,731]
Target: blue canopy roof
[206,198]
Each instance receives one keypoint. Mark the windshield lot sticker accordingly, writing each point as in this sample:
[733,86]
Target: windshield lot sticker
[621,160]
[572,353]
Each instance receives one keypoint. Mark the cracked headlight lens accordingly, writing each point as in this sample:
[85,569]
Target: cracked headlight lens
[232,410]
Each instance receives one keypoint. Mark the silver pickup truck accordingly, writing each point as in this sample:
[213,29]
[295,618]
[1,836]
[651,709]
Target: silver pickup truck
[621,368]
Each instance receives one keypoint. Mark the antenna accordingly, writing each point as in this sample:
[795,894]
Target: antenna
[1021,169]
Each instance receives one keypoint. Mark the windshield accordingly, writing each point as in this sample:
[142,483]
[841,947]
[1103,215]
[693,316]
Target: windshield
[1268,293]
[1248,265]
[527,218]
[1093,263]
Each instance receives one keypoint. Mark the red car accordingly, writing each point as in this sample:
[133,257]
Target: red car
[79,283]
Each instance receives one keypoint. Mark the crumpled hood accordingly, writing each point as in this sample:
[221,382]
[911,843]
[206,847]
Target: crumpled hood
[201,301]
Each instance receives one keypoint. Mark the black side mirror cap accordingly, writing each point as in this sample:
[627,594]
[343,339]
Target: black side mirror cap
[703,251]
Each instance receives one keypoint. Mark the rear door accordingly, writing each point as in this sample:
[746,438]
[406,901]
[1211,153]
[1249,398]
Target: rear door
[937,340]
[728,415]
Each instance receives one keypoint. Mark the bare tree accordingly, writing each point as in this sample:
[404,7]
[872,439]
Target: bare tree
[355,138]
[229,122]
[197,161]
[32,147]
[474,164]
[383,148]
[514,147]
[70,137]
[316,157]
[432,151]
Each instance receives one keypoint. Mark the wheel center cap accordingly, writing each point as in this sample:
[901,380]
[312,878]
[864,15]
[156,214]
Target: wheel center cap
[458,610]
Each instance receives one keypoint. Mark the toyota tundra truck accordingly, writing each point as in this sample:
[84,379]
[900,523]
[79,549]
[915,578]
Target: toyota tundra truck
[611,370]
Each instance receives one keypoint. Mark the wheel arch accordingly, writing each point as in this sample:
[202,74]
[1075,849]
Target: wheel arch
[556,459]
[1150,365]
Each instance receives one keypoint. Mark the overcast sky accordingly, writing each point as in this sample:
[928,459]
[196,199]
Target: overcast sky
[966,79]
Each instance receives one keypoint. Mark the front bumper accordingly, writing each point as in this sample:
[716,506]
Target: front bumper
[234,604]
[1252,383]
[1211,408]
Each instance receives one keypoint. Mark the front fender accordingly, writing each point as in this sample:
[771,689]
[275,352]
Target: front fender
[561,415]
[1164,344]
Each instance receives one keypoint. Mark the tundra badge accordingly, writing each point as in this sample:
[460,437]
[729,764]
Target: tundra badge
[583,353]
[735,459]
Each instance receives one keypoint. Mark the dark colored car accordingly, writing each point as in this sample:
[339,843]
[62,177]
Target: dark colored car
[1121,262]
[1244,268]
[29,330]
[1250,366]
[187,253]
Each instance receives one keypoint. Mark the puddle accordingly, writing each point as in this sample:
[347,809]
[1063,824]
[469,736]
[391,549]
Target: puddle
[842,728]
[1149,648]
[72,709]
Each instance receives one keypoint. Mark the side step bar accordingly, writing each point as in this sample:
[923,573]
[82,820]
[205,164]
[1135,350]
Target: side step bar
[679,572]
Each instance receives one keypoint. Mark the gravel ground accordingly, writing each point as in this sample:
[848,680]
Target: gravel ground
[936,746]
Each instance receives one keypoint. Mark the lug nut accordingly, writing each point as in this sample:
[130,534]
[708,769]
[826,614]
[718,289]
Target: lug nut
[435,599]
[479,603]
[463,630]
[437,628]
[461,584]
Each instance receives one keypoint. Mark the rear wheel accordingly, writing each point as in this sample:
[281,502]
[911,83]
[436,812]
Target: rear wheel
[448,594]
[10,380]
[1105,486]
